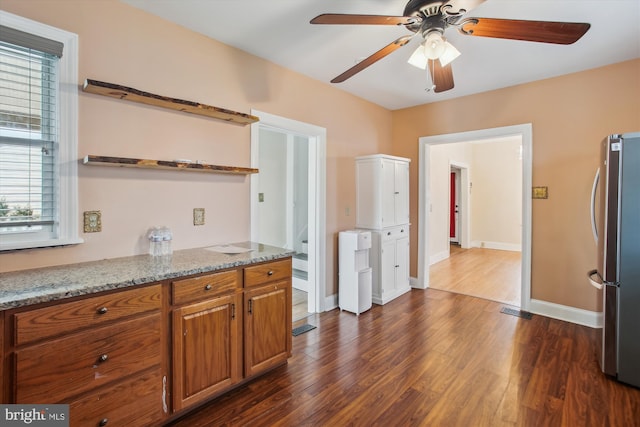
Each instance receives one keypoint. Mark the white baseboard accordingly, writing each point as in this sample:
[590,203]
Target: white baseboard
[330,302]
[300,284]
[497,245]
[438,257]
[579,316]
[413,282]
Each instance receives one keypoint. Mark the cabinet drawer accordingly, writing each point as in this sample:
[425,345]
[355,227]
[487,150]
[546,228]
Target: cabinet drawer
[134,402]
[395,232]
[263,273]
[69,317]
[196,288]
[58,369]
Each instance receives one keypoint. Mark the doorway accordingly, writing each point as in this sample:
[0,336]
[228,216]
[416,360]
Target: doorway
[426,208]
[288,199]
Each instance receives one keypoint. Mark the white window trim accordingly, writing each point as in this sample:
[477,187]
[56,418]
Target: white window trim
[68,228]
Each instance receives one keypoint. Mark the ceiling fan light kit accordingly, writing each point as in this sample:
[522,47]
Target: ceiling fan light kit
[430,19]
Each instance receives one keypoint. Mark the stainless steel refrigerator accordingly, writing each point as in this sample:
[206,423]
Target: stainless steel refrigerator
[615,217]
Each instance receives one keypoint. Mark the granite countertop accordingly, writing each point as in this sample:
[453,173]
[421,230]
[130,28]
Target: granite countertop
[21,288]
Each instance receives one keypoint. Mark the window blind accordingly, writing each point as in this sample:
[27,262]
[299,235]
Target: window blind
[28,132]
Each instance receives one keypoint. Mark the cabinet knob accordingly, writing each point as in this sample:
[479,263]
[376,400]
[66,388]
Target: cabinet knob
[208,287]
[104,357]
[103,310]
[388,233]
[397,266]
[402,230]
[103,422]
[270,273]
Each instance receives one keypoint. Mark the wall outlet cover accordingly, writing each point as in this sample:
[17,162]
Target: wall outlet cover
[92,221]
[540,192]
[198,216]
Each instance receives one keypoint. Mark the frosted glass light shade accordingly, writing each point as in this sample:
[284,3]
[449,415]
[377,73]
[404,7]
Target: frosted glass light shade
[450,53]
[418,58]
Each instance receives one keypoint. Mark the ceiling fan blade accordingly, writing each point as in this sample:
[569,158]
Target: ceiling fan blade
[372,59]
[456,7]
[442,76]
[342,19]
[534,31]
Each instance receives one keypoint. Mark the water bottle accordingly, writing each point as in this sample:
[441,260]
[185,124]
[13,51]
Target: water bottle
[155,242]
[166,236]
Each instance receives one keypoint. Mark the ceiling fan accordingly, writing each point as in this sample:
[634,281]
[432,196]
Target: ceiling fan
[430,19]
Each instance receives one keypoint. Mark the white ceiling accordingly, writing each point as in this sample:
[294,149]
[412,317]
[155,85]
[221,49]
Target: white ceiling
[279,31]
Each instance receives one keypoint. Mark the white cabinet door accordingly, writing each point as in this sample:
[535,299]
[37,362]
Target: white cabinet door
[402,263]
[401,193]
[388,268]
[387,192]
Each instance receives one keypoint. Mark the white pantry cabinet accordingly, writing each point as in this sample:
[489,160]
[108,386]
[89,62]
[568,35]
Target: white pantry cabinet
[382,191]
[389,258]
[382,206]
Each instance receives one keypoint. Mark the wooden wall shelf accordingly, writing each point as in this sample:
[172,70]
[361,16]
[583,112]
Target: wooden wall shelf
[135,95]
[164,164]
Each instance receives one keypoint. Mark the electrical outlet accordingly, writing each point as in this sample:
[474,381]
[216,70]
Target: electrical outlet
[260,197]
[198,216]
[92,221]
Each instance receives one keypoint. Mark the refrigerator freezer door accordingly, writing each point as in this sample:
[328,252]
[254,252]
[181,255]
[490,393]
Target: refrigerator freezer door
[628,321]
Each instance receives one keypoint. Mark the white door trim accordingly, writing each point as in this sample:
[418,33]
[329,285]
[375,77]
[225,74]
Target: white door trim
[526,133]
[317,205]
[464,217]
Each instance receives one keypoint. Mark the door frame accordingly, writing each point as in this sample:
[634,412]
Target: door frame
[317,205]
[424,197]
[464,216]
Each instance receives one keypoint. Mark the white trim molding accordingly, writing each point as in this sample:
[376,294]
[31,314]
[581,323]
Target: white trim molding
[579,316]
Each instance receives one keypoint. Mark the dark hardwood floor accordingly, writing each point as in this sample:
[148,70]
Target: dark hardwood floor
[432,358]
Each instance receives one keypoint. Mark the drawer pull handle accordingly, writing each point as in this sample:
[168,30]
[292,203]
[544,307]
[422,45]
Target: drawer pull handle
[103,422]
[103,310]
[104,357]
[270,273]
[207,288]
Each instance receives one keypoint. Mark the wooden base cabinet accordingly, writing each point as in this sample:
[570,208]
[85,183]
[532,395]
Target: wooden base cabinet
[267,301]
[206,352]
[144,356]
[102,356]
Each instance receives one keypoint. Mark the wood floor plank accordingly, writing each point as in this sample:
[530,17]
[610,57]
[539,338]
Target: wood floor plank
[432,358]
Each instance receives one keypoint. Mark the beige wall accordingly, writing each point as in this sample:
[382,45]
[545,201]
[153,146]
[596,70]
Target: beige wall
[570,115]
[496,194]
[123,45]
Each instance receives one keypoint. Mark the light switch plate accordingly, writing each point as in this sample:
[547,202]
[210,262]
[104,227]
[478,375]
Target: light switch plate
[92,221]
[198,216]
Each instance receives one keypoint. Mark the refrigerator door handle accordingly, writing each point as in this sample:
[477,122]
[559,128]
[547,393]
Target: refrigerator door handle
[594,279]
[594,229]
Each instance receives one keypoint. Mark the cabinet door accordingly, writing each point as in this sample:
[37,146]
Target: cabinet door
[402,263]
[388,267]
[206,353]
[267,326]
[401,193]
[387,194]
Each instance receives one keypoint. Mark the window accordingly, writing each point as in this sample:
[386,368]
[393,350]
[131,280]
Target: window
[38,135]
